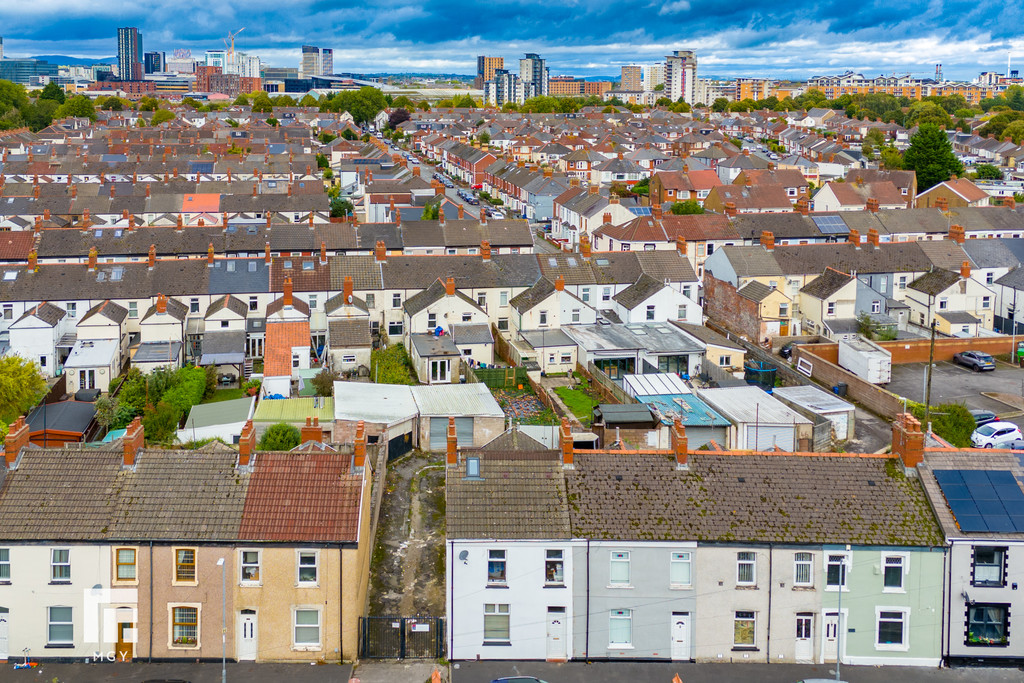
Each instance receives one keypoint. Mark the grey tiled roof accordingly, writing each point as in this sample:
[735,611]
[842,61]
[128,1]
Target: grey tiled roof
[638,292]
[826,284]
[935,281]
[754,290]
[45,311]
[526,300]
[350,333]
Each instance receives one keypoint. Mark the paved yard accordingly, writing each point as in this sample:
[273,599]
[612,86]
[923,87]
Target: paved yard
[953,383]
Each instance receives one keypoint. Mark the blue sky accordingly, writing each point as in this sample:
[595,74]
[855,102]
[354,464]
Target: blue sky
[796,39]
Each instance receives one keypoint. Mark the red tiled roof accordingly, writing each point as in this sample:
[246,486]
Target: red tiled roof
[966,189]
[15,245]
[699,227]
[200,203]
[704,180]
[281,339]
[302,497]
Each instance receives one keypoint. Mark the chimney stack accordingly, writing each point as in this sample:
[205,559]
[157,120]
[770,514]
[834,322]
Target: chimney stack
[288,292]
[730,209]
[965,270]
[957,234]
[462,211]
[873,237]
[380,252]
[209,256]
[585,246]
[266,253]
[606,219]
[449,286]
[452,453]
[679,444]
[681,245]
[16,439]
[485,248]
[359,446]
[347,289]
[872,205]
[311,431]
[803,207]
[942,204]
[32,260]
[323,253]
[161,303]
[246,444]
[767,240]
[93,254]
[565,441]
[593,189]
[908,441]
[133,440]
[559,284]
[440,215]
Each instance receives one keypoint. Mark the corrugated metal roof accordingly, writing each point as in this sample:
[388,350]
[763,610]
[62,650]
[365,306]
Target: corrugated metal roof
[750,405]
[219,413]
[654,384]
[294,409]
[377,403]
[690,410]
[814,399]
[456,400]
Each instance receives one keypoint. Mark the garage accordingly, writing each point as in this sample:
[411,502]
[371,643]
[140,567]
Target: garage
[759,421]
[761,437]
[439,432]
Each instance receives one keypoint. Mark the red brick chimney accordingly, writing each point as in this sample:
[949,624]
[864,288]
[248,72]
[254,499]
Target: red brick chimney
[873,237]
[46,214]
[452,453]
[872,205]
[134,439]
[462,212]
[803,207]
[1010,203]
[440,215]
[656,211]
[585,245]
[559,284]
[288,292]
[323,253]
[32,260]
[606,219]
[39,223]
[908,440]
[16,439]
[854,237]
[148,190]
[380,252]
[767,240]
[565,441]
[679,444]
[730,209]
[266,253]
[209,256]
[161,303]
[942,204]
[483,216]
[681,245]
[965,270]
[449,286]
[112,193]
[255,188]
[346,291]
[593,189]
[359,446]
[957,234]
[311,431]
[485,248]
[246,444]
[74,191]
[35,192]
[93,254]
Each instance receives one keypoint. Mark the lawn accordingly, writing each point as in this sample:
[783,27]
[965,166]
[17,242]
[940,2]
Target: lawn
[225,395]
[579,402]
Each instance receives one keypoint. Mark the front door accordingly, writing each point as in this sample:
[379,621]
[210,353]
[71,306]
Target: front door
[125,641]
[804,638]
[556,634]
[87,379]
[439,370]
[830,637]
[247,642]
[784,328]
[681,635]
[4,628]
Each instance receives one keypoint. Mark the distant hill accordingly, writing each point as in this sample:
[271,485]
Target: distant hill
[64,60]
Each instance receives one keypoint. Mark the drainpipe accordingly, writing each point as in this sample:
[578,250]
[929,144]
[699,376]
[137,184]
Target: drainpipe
[768,641]
[151,602]
[341,601]
[451,588]
[947,595]
[586,634]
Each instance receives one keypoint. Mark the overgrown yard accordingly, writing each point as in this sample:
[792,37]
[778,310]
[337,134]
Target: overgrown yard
[225,395]
[524,407]
[580,402]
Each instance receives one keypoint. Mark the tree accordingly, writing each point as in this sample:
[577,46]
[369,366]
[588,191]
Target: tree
[113,104]
[659,87]
[431,212]
[931,156]
[106,410]
[149,104]
[348,134]
[162,116]
[867,149]
[323,382]
[261,103]
[720,105]
[892,159]
[79,106]
[688,208]
[54,92]
[390,366]
[21,387]
[876,137]
[308,101]
[241,101]
[465,102]
[643,187]
[988,172]
[280,437]
[403,102]
[398,117]
[485,138]
[160,422]
[341,208]
[1015,131]
[927,112]
[271,121]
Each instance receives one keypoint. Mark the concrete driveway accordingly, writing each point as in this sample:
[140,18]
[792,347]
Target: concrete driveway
[954,383]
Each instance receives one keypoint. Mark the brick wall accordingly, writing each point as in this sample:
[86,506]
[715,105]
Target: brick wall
[732,311]
[874,398]
[916,351]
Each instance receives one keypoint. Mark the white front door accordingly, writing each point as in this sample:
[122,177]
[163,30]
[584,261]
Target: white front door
[681,635]
[804,638]
[4,629]
[556,633]
[439,370]
[248,645]
[830,637]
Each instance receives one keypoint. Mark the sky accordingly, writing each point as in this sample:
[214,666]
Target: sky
[759,38]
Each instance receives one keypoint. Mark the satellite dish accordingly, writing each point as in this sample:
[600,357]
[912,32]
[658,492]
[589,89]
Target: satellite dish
[464,555]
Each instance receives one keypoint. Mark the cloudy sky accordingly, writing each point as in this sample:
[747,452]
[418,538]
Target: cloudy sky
[795,39]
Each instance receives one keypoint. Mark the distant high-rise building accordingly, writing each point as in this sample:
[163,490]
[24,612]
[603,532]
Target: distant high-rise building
[154,62]
[485,68]
[504,87]
[129,54]
[534,75]
[1,47]
[680,75]
[632,78]
[654,75]
[326,61]
[316,61]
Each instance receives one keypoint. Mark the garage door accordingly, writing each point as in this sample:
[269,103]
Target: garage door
[840,422]
[439,432]
[766,437]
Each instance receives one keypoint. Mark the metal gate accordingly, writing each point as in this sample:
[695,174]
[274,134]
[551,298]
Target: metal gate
[439,433]
[401,637]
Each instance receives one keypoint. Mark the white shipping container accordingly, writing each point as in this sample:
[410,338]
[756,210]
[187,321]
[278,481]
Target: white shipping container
[867,360]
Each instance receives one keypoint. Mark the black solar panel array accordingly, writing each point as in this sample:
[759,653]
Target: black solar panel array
[983,500]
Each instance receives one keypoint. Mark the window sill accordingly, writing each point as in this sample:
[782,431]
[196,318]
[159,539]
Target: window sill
[746,648]
[988,585]
[250,584]
[554,585]
[746,586]
[803,588]
[497,585]
[184,583]
[681,587]
[892,648]
[619,587]
[497,643]
[5,583]
[894,590]
[58,646]
[125,582]
[307,648]
[968,643]
[617,646]
[60,583]
[307,585]
[183,647]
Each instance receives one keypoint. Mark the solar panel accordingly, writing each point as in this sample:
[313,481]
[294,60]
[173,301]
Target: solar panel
[983,500]
[640,210]
[201,166]
[830,225]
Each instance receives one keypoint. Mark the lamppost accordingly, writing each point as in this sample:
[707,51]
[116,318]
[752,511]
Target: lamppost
[223,620]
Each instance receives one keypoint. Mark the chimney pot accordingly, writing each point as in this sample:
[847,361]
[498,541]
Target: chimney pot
[873,237]
[452,452]
[965,270]
[854,237]
[607,218]
[16,439]
[246,444]
[565,441]
[485,248]
[287,292]
[311,431]
[134,439]
[908,440]
[585,246]
[380,252]
[449,286]
[359,446]
[872,205]
[680,444]
[559,284]
[767,240]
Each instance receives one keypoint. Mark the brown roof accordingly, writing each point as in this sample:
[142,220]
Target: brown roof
[15,246]
[281,338]
[856,194]
[349,333]
[304,496]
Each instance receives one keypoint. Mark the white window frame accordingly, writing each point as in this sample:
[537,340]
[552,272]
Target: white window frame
[809,563]
[554,559]
[725,361]
[50,623]
[745,561]
[5,565]
[737,618]
[844,574]
[243,565]
[830,308]
[986,302]
[1001,565]
[893,647]
[497,555]
[904,559]
[651,311]
[307,646]
[503,298]
[299,555]
[396,300]
[133,309]
[619,557]
[495,610]
[60,563]
[72,310]
[680,558]
[620,615]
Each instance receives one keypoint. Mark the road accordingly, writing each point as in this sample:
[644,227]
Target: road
[954,383]
[471,211]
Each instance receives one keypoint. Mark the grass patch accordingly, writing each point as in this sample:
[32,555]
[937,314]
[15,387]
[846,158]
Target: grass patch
[225,395]
[579,402]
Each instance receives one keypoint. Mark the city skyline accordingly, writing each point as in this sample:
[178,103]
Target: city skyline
[585,38]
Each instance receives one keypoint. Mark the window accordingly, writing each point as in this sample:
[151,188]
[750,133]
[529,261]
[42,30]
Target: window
[185,626]
[481,300]
[802,569]
[254,303]
[892,573]
[496,623]
[8,312]
[746,569]
[606,294]
[650,313]
[60,630]
[585,295]
[5,564]
[396,301]
[987,625]
[681,313]
[312,302]
[989,567]
[885,284]
[543,318]
[575,315]
[620,628]
[618,569]
[554,567]
[193,305]
[42,361]
[307,628]
[986,302]
[891,630]
[125,564]
[503,299]
[395,329]
[496,566]
[686,291]
[625,246]
[60,565]
[307,567]
[830,308]
[185,564]
[679,569]
[467,317]
[72,310]
[835,571]
[743,629]
[295,360]
[250,566]
[990,278]
[783,310]
[431,321]
[566,358]
[943,303]
[371,301]
[876,306]
[133,309]
[348,359]
[503,324]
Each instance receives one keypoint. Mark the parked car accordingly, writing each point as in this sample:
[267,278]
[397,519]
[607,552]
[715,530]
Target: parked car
[518,679]
[986,436]
[1012,444]
[478,186]
[983,417]
[975,360]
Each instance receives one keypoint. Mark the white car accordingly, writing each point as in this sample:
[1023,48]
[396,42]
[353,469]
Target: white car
[986,436]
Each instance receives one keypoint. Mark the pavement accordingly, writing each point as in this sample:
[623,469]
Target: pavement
[954,383]
[397,671]
[662,672]
[138,672]
[871,433]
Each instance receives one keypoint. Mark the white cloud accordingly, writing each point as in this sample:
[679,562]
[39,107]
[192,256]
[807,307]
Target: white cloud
[674,8]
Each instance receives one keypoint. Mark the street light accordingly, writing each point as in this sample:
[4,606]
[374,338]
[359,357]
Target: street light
[223,620]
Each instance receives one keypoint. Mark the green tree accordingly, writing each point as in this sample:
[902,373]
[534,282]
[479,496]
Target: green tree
[193,103]
[189,386]
[161,422]
[280,437]
[998,124]
[927,112]
[431,211]
[323,382]
[39,115]
[113,104]
[21,387]
[78,106]
[988,172]
[688,208]
[867,149]
[308,101]
[54,92]
[348,134]
[241,101]
[643,187]
[390,366]
[1015,131]
[403,102]
[162,116]
[284,101]
[485,138]
[931,156]
[892,159]
[106,410]
[660,87]
[341,208]
[465,102]
[720,105]
[876,137]
[271,121]
[261,103]
[149,104]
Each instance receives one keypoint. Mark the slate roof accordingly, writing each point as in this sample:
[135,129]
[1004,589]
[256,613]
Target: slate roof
[827,284]
[46,312]
[350,333]
[235,305]
[895,257]
[302,496]
[175,309]
[638,292]
[524,301]
[935,282]
[754,290]
[753,261]
[519,495]
[759,498]
[108,309]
